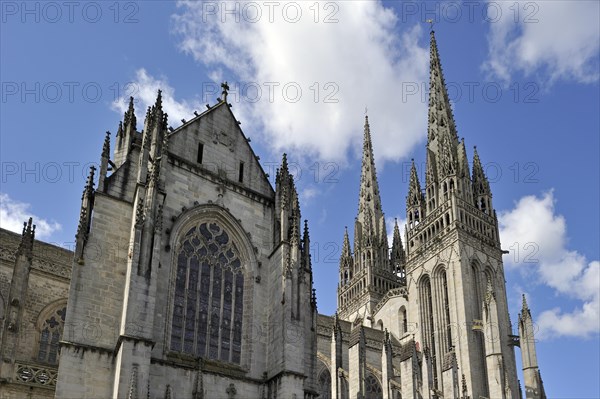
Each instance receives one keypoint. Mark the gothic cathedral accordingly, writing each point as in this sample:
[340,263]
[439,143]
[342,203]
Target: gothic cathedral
[191,278]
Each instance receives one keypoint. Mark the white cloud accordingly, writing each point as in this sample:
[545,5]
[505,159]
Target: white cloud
[550,39]
[537,238]
[147,87]
[358,61]
[13,213]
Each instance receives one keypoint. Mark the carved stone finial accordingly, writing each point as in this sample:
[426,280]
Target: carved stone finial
[27,238]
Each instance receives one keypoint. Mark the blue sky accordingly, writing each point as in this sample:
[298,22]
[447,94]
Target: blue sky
[523,77]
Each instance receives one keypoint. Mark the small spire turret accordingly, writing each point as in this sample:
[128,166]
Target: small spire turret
[129,119]
[104,159]
[306,248]
[27,238]
[346,271]
[534,387]
[482,194]
[125,134]
[85,216]
[415,207]
[398,257]
[287,207]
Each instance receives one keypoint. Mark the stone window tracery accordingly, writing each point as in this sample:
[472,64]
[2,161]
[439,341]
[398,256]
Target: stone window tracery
[372,388]
[208,297]
[50,334]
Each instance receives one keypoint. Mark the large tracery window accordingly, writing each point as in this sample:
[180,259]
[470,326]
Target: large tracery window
[209,290]
[50,333]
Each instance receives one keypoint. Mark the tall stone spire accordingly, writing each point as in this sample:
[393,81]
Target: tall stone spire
[369,199]
[441,118]
[442,137]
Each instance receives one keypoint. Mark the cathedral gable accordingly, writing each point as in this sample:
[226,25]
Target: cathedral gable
[215,142]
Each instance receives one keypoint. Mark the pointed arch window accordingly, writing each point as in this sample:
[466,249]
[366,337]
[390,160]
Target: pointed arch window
[325,384]
[344,388]
[208,298]
[50,333]
[403,321]
[373,388]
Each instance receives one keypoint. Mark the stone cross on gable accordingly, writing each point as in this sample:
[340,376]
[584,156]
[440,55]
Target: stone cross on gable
[225,87]
[231,391]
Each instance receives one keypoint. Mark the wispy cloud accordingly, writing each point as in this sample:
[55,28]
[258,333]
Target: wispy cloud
[305,84]
[13,213]
[531,38]
[537,237]
[147,87]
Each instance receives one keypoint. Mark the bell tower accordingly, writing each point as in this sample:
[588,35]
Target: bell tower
[454,262]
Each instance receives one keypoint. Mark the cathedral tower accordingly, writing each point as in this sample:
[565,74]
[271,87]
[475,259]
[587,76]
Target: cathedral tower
[367,275]
[454,265]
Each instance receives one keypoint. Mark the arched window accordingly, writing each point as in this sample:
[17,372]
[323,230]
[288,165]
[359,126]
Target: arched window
[427,321]
[344,388]
[50,333]
[372,388]
[446,305]
[208,298]
[477,293]
[403,321]
[324,384]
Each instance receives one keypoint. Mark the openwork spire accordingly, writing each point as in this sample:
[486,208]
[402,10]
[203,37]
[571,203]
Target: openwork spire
[441,119]
[369,201]
[442,138]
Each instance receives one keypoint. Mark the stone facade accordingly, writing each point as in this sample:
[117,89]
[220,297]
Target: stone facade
[34,287]
[191,278]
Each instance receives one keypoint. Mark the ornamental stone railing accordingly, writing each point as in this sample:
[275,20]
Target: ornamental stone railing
[38,376]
